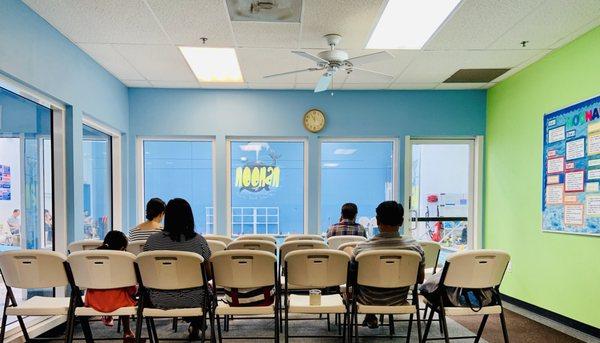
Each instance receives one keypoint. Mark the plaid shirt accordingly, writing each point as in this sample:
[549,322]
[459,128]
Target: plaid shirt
[346,228]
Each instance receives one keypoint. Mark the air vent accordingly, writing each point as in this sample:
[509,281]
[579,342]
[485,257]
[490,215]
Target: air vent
[475,75]
[287,11]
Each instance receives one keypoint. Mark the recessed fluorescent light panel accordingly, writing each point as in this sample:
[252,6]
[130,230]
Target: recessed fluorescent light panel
[408,24]
[213,64]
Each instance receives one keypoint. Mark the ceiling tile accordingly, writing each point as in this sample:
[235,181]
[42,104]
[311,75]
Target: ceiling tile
[551,22]
[461,85]
[257,63]
[107,21]
[366,85]
[311,86]
[186,21]
[393,67]
[175,84]
[157,62]
[413,86]
[582,30]
[271,85]
[266,35]
[137,83]
[476,24]
[352,19]
[111,60]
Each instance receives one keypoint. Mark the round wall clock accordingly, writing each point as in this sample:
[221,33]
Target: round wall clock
[314,120]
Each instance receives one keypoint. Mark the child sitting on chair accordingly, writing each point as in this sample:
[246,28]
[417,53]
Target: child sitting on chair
[109,300]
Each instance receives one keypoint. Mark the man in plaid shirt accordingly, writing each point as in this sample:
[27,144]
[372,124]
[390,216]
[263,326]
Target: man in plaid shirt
[347,224]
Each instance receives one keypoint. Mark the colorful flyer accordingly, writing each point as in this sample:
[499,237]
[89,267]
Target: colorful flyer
[552,179]
[574,181]
[593,174]
[554,194]
[575,149]
[592,205]
[591,187]
[571,199]
[594,144]
[556,134]
[573,215]
[555,165]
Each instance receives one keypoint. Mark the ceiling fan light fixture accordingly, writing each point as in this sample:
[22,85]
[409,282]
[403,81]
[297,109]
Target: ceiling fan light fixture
[409,24]
[213,64]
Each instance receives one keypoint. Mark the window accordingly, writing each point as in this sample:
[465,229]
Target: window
[356,171]
[97,183]
[181,169]
[267,181]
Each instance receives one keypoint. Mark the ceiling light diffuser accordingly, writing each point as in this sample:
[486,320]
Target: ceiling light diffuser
[408,24]
[213,64]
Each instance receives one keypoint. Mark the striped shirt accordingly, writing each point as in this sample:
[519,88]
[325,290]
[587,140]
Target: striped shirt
[180,298]
[387,296]
[138,234]
[346,227]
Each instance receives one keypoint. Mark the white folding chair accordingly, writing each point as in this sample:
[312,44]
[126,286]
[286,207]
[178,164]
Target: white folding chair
[432,256]
[388,269]
[475,269]
[304,238]
[268,238]
[220,238]
[335,241]
[216,246]
[246,269]
[253,245]
[171,270]
[348,247]
[315,269]
[29,269]
[84,244]
[98,269]
[136,247]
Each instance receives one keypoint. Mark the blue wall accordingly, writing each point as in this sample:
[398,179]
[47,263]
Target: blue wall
[223,113]
[37,55]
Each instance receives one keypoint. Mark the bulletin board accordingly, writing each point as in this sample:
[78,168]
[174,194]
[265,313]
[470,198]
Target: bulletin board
[571,170]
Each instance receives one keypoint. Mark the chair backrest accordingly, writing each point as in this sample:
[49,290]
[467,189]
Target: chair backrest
[432,253]
[168,269]
[335,241]
[102,269]
[33,268]
[267,238]
[388,268]
[476,268]
[291,238]
[216,246]
[243,268]
[85,244]
[136,247]
[317,268]
[224,239]
[253,245]
[348,248]
[290,246]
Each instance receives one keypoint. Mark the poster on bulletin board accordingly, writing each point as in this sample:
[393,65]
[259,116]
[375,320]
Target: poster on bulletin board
[571,170]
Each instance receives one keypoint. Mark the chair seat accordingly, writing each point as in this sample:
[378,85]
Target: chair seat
[329,304]
[402,309]
[466,311]
[40,306]
[90,312]
[177,312]
[225,309]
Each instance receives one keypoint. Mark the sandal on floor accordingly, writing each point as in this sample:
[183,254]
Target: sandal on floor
[108,320]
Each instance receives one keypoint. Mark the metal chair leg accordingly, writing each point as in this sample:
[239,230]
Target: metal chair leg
[428,325]
[219,329]
[392,326]
[410,322]
[174,325]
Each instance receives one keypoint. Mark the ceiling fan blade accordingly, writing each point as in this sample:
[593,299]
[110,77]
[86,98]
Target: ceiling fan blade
[323,83]
[291,72]
[370,58]
[372,72]
[310,56]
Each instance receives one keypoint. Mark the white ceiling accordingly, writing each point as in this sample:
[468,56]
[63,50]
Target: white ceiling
[136,40]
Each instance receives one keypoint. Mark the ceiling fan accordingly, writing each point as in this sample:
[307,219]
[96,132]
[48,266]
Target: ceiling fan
[333,60]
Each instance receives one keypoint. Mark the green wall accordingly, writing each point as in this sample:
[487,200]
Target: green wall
[558,272]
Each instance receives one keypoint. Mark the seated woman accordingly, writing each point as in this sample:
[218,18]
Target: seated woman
[178,234]
[109,300]
[155,211]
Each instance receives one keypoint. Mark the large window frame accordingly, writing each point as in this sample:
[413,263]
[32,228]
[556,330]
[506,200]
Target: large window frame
[139,148]
[305,165]
[395,150]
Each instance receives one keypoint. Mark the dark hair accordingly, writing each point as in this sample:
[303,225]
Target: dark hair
[114,240]
[349,211]
[16,210]
[154,208]
[390,213]
[179,220]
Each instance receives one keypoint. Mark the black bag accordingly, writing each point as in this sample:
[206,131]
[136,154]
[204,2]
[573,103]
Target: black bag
[474,298]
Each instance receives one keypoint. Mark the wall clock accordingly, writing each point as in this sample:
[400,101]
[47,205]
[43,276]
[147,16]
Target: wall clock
[314,120]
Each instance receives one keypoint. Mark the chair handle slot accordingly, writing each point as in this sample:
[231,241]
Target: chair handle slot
[166,258]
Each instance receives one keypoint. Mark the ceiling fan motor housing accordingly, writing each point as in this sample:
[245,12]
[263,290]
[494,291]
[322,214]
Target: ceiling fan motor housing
[334,55]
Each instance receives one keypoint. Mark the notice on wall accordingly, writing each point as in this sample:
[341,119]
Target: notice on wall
[571,169]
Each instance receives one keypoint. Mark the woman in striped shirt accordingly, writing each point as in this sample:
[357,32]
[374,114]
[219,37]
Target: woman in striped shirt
[155,211]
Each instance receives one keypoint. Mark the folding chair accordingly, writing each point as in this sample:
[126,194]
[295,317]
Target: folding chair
[315,269]
[335,241]
[171,270]
[348,247]
[432,256]
[97,269]
[224,239]
[136,247]
[304,238]
[268,238]
[85,244]
[28,269]
[475,269]
[253,245]
[246,269]
[216,246]
[388,269]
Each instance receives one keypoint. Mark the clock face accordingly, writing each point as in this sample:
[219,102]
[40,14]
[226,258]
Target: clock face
[314,120]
